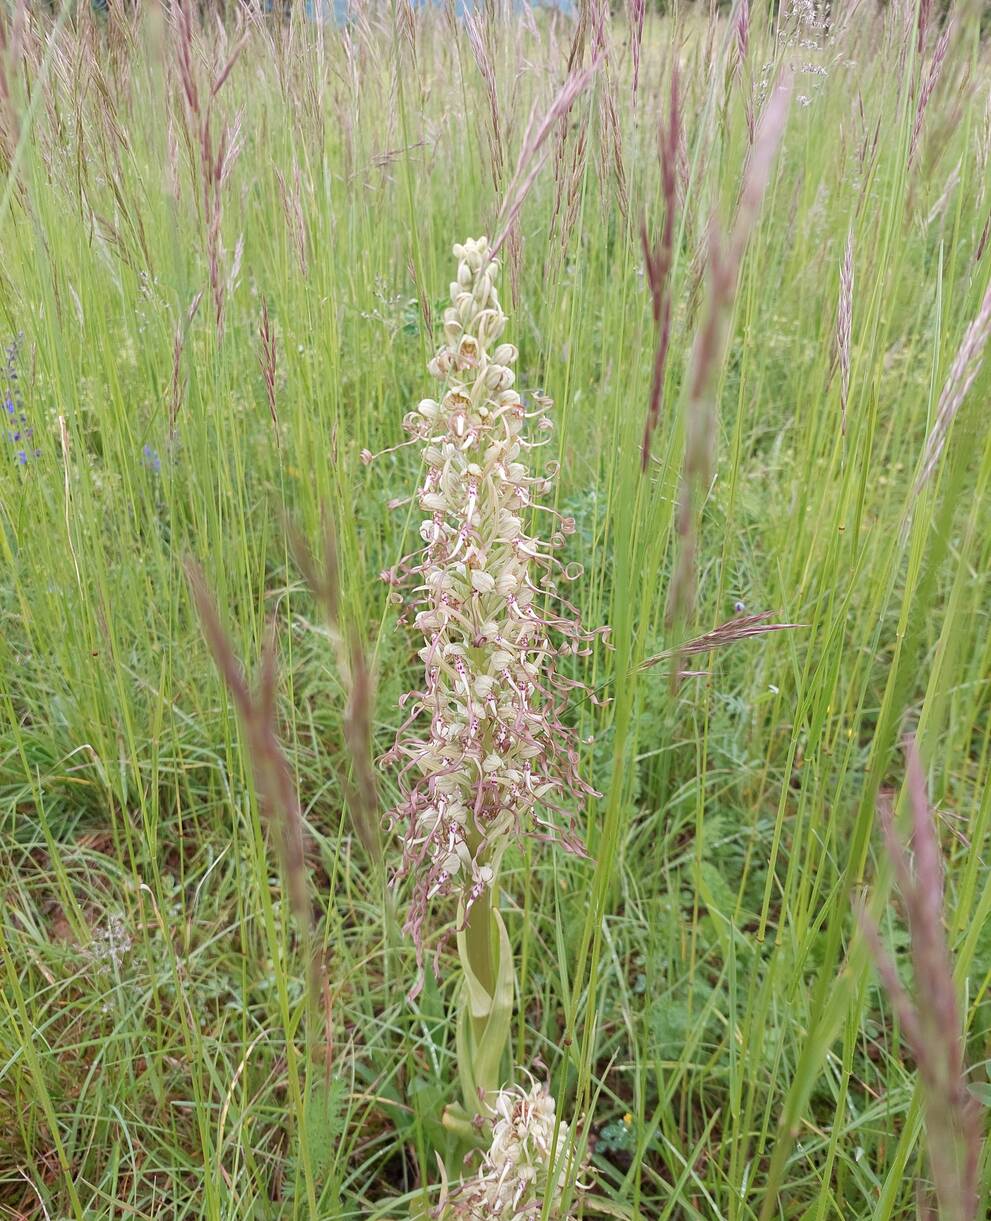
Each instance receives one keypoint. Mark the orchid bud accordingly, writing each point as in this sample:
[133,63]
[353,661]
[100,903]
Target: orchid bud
[483,582]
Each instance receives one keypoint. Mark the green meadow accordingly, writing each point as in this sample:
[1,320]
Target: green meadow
[225,252]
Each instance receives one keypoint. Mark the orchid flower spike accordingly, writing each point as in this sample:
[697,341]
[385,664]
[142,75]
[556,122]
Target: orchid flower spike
[484,755]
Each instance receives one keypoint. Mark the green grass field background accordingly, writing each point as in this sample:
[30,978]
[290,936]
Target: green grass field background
[697,990]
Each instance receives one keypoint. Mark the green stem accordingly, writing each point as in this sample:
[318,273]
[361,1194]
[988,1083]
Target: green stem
[479,936]
[486,1011]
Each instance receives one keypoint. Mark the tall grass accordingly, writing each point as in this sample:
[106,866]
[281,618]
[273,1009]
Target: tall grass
[222,302]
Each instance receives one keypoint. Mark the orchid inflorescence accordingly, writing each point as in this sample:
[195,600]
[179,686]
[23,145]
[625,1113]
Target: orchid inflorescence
[485,753]
[526,1162]
[485,757]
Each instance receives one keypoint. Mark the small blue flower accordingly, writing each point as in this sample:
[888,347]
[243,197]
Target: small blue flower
[151,459]
[14,405]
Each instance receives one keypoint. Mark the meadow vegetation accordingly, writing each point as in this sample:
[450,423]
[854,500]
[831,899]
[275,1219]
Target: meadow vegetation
[226,250]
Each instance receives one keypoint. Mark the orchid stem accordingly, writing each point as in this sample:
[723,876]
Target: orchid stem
[479,936]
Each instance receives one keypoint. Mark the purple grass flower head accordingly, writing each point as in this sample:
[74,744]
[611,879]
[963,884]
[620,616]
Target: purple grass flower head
[485,756]
[931,1020]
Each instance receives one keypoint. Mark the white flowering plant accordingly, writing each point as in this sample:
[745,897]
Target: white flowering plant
[527,1161]
[485,755]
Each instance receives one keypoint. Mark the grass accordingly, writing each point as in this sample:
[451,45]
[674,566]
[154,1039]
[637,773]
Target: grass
[698,989]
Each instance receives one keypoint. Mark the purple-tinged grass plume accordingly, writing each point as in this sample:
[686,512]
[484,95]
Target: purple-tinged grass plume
[211,150]
[741,24]
[277,796]
[658,262]
[965,368]
[292,206]
[925,12]
[611,140]
[267,358]
[177,383]
[355,673]
[10,128]
[638,9]
[931,1022]
[725,259]
[928,87]
[478,32]
[844,324]
[533,153]
[743,627]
